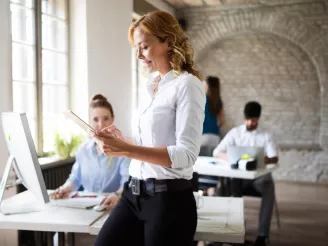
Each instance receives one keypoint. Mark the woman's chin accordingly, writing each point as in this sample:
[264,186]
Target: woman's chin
[149,69]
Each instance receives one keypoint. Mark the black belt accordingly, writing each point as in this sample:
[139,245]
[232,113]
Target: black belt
[152,186]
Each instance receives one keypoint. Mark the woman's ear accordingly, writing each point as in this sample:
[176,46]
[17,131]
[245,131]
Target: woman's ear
[169,43]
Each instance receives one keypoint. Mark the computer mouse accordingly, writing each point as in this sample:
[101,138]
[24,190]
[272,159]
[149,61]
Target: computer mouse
[99,208]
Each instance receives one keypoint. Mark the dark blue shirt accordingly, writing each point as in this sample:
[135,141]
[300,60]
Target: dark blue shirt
[210,125]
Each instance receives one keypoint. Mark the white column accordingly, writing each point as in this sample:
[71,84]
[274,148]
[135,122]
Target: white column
[5,74]
[78,58]
[109,56]
[7,237]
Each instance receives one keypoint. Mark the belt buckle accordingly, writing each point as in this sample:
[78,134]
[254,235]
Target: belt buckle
[135,186]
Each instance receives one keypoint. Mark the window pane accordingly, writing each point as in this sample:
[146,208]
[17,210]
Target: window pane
[22,24]
[23,62]
[55,8]
[50,129]
[54,35]
[139,81]
[134,58]
[27,3]
[55,101]
[24,95]
[33,127]
[143,95]
[54,67]
[58,125]
[24,101]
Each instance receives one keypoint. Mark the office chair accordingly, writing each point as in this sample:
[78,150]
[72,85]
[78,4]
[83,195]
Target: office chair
[207,181]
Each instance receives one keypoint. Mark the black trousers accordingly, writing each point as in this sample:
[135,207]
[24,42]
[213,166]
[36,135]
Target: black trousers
[167,218]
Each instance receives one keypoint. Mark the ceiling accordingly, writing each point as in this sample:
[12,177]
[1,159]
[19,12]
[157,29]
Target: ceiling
[199,3]
[202,3]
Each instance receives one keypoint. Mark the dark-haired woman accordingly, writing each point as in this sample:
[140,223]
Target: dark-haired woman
[214,116]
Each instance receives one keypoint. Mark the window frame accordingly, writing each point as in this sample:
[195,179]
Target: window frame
[37,27]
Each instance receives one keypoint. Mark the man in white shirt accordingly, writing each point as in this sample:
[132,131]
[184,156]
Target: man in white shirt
[248,135]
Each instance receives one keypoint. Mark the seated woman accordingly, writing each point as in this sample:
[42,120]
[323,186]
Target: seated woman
[92,169]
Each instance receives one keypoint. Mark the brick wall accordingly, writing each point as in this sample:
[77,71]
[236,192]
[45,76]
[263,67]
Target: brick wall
[277,55]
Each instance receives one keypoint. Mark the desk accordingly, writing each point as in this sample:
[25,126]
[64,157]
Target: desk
[223,169]
[51,218]
[219,220]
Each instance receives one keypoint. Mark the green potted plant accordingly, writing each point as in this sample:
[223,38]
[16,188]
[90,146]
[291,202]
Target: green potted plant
[66,147]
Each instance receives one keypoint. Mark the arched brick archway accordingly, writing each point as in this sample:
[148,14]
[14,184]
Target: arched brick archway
[289,26]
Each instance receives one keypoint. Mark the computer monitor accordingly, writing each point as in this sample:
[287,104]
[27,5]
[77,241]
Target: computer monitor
[24,160]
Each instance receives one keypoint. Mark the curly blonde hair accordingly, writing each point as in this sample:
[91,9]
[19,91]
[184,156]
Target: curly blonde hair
[163,25]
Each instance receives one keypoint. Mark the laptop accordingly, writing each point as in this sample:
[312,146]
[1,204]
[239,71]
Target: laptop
[235,153]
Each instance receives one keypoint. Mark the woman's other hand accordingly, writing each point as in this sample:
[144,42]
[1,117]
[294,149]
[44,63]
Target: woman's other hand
[110,201]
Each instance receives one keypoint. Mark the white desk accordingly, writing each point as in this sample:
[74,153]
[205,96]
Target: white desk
[204,166]
[219,220]
[52,218]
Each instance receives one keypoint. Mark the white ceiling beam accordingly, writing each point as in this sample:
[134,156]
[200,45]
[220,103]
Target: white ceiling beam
[161,5]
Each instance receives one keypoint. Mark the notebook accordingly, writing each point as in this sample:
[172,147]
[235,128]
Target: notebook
[81,200]
[80,203]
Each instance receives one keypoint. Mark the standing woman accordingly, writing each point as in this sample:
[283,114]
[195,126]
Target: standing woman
[214,116]
[157,205]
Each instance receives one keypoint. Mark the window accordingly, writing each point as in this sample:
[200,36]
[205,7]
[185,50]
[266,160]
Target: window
[40,66]
[139,82]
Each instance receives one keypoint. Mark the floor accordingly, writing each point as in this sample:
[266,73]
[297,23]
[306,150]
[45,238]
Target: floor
[8,237]
[303,210]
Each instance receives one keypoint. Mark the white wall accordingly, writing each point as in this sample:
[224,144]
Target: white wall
[7,237]
[109,56]
[78,58]
[5,74]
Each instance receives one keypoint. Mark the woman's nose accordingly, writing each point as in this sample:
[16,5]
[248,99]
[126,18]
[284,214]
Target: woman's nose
[101,125]
[139,54]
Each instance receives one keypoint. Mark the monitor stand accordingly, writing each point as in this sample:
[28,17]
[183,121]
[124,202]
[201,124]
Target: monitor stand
[17,203]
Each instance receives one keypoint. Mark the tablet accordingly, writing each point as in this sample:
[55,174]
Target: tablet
[69,114]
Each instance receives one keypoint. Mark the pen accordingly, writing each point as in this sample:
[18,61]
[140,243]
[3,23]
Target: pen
[86,196]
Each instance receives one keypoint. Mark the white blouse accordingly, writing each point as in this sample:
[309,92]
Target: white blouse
[173,118]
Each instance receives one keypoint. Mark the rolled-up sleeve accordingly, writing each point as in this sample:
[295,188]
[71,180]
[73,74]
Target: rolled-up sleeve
[270,147]
[189,123]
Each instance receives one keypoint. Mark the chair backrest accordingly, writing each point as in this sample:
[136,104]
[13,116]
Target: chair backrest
[206,150]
